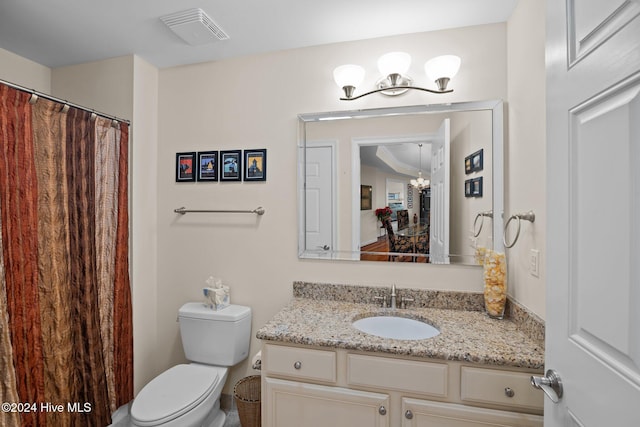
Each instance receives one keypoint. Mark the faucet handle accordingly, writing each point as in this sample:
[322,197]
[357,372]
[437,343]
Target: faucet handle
[405,300]
[383,299]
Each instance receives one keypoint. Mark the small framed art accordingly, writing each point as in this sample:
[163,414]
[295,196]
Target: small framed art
[185,167]
[255,165]
[476,187]
[467,188]
[473,187]
[366,192]
[474,162]
[231,165]
[207,166]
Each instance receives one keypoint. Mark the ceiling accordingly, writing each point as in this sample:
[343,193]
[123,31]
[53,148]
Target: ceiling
[57,33]
[400,158]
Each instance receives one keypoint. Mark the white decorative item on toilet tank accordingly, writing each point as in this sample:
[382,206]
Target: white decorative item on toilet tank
[188,395]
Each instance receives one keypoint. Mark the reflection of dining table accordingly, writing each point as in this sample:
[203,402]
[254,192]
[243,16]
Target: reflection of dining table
[413,231]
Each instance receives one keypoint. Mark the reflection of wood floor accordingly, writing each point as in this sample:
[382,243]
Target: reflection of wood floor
[382,249]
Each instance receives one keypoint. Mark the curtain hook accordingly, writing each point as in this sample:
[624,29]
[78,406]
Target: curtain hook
[114,123]
[65,107]
[33,99]
[93,116]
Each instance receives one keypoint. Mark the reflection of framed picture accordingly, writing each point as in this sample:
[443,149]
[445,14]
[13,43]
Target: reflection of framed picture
[476,187]
[185,167]
[474,162]
[230,165]
[365,197]
[255,165]
[207,166]
[473,187]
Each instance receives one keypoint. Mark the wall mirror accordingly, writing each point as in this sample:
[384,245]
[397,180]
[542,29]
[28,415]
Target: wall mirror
[457,148]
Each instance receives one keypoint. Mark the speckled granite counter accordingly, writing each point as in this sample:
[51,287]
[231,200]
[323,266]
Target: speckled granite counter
[468,336]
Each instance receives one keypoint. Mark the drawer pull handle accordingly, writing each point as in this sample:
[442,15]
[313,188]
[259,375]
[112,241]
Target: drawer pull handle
[382,410]
[508,391]
[408,414]
[297,365]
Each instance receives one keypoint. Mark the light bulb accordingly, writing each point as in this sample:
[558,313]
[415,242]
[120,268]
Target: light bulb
[442,67]
[348,75]
[394,63]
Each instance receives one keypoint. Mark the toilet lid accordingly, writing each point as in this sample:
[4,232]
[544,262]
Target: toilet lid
[173,393]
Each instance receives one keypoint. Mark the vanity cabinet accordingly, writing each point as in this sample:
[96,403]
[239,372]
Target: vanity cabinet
[424,413]
[295,404]
[305,386]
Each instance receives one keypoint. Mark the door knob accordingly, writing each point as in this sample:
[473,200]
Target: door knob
[550,384]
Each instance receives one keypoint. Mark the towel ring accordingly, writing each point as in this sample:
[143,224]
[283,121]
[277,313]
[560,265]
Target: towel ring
[529,216]
[480,215]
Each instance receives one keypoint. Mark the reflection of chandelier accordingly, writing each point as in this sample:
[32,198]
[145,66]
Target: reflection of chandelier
[420,183]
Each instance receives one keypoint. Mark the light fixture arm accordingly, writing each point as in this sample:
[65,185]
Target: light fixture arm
[387,88]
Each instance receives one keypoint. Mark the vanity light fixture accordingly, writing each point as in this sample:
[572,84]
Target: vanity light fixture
[420,183]
[393,67]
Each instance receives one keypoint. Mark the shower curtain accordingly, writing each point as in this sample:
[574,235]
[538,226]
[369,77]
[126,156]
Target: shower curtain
[66,340]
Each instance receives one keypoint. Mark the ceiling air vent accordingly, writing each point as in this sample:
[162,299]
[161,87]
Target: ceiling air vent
[194,26]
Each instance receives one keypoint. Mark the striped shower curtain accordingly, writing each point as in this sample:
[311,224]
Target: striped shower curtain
[66,340]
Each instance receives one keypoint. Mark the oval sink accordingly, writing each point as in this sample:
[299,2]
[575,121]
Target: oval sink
[399,328]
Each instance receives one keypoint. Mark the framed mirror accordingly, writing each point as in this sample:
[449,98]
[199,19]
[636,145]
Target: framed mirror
[454,150]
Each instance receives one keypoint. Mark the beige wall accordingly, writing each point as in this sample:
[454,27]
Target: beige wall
[106,86]
[525,153]
[21,71]
[252,102]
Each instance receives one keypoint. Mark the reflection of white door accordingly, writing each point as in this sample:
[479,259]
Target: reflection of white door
[440,182]
[593,234]
[319,198]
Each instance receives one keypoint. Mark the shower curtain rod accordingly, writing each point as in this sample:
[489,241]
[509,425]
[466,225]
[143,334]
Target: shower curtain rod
[62,101]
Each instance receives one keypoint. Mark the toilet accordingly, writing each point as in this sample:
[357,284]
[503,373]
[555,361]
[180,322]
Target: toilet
[188,395]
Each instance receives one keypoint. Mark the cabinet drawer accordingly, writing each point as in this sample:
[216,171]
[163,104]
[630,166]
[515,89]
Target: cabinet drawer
[500,388]
[397,374]
[418,413]
[319,365]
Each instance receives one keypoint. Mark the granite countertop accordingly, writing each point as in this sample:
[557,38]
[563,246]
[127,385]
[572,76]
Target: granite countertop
[468,336]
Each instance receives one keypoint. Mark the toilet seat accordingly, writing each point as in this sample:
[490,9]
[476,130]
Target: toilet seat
[174,393]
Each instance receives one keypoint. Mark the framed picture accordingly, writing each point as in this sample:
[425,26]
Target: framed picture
[185,167]
[476,187]
[207,166]
[255,165]
[474,162]
[467,188]
[365,197]
[231,165]
[473,187]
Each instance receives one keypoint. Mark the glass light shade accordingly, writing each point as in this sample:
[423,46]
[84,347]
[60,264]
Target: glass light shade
[394,63]
[348,75]
[445,66]
[420,182]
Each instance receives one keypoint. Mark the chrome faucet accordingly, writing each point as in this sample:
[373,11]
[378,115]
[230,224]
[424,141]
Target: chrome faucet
[393,296]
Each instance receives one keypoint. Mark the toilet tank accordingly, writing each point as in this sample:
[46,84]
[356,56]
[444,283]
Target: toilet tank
[213,337]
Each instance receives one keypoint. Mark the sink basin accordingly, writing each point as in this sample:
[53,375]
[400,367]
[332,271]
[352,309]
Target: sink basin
[399,328]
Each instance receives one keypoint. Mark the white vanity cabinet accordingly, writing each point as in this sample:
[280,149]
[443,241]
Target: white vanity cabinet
[424,413]
[308,386]
[287,403]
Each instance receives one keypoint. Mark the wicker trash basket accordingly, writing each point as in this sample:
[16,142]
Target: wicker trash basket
[246,393]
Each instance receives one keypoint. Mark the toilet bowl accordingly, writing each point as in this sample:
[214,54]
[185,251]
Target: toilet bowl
[188,395]
[182,396]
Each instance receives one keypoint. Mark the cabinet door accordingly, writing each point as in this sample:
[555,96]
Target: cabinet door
[295,404]
[422,413]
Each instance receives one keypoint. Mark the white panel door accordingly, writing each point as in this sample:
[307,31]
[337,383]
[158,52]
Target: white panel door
[593,236]
[440,182]
[319,199]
